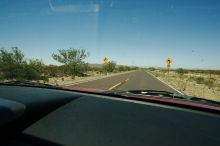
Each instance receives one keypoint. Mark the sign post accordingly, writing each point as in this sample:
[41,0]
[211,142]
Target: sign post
[168,62]
[105,60]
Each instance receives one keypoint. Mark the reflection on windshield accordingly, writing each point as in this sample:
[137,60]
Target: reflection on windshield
[112,45]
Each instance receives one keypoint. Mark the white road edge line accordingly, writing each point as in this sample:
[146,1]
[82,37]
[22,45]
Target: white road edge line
[166,83]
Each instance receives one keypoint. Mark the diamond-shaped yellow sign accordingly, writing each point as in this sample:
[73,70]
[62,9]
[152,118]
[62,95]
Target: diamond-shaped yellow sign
[105,60]
[168,61]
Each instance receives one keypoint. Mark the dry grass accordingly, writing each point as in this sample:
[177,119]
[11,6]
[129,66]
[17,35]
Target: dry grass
[202,84]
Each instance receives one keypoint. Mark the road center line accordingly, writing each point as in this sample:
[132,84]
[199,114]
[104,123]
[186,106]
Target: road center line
[127,80]
[117,85]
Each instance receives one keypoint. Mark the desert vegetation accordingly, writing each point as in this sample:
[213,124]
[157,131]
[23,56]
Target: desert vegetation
[14,65]
[199,83]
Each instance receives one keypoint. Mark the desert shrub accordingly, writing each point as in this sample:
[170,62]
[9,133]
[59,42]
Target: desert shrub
[151,69]
[156,74]
[73,77]
[209,83]
[181,71]
[45,79]
[199,80]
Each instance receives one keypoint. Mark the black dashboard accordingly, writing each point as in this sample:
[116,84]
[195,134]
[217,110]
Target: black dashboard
[57,117]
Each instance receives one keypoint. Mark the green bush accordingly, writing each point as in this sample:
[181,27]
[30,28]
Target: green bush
[209,83]
[199,80]
[181,71]
[151,69]
[109,67]
[1,78]
[73,77]
[45,79]
[156,74]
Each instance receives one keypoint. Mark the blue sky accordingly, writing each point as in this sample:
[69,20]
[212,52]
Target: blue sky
[130,32]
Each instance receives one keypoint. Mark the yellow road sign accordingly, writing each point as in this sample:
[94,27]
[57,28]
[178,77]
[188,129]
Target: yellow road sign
[105,60]
[168,61]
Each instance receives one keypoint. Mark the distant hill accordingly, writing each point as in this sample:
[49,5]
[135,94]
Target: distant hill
[95,65]
[100,65]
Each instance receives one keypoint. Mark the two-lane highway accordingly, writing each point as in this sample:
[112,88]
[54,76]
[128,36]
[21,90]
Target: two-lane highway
[129,81]
[142,80]
[105,83]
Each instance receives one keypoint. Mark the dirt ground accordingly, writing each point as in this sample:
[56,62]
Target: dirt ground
[203,85]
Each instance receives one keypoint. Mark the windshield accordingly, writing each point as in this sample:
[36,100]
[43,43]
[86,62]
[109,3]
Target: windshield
[108,45]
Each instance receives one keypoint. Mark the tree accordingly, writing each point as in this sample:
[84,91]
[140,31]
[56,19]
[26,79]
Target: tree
[73,59]
[53,71]
[110,66]
[151,68]
[12,63]
[135,68]
[82,68]
[122,68]
[18,56]
[34,69]
[127,68]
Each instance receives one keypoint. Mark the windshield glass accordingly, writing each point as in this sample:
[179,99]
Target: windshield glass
[107,45]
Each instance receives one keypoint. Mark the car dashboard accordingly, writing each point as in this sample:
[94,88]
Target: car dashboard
[42,116]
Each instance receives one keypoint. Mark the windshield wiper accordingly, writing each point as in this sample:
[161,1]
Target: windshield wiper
[164,94]
[150,93]
[28,83]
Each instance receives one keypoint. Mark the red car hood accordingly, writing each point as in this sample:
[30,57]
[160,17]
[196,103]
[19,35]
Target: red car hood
[91,90]
[168,101]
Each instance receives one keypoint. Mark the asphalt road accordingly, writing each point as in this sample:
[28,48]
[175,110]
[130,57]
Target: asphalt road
[136,80]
